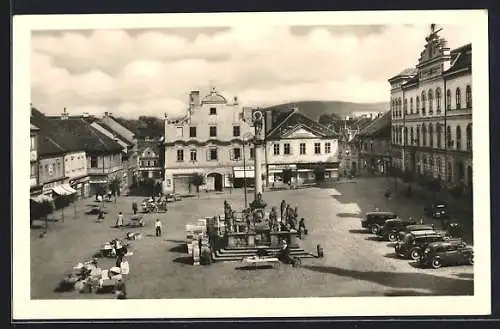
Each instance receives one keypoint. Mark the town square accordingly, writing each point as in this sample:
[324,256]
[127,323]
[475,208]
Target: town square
[191,163]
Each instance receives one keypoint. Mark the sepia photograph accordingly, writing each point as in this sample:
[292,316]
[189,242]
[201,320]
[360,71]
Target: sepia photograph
[313,164]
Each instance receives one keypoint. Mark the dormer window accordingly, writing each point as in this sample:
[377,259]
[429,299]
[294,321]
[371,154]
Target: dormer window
[213,111]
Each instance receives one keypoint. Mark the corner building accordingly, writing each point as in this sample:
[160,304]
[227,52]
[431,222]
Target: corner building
[207,141]
[431,107]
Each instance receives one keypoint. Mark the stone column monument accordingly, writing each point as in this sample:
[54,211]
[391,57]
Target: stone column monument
[258,122]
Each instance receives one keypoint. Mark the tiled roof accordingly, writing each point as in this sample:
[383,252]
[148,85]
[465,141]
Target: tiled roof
[461,58]
[51,141]
[295,119]
[143,145]
[108,128]
[118,128]
[379,127]
[405,73]
[88,138]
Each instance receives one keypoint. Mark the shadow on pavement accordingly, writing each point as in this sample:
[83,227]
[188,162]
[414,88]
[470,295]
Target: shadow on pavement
[405,292]
[435,284]
[393,256]
[349,215]
[253,268]
[175,241]
[184,260]
[468,276]
[375,238]
[179,248]
[359,231]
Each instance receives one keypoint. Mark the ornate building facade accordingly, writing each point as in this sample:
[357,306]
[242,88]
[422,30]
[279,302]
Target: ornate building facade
[431,107]
[210,140]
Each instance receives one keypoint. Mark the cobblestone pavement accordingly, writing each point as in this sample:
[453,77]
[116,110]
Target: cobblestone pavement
[354,264]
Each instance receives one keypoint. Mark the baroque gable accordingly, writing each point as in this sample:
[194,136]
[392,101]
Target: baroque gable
[301,132]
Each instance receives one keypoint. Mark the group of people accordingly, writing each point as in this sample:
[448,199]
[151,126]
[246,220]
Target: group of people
[290,218]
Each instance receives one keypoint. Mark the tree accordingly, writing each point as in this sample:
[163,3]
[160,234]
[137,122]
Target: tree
[287,176]
[319,173]
[114,186]
[197,180]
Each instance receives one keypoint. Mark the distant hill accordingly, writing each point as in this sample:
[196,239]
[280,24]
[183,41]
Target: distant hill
[339,109]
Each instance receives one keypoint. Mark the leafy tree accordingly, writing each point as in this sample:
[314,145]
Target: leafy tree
[319,173]
[197,180]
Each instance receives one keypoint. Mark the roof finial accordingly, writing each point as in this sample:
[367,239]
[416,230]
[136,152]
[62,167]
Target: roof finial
[212,87]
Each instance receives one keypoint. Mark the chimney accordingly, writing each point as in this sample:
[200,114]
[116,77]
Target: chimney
[194,98]
[64,115]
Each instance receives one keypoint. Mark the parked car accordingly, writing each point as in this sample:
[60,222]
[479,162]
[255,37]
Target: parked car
[414,243]
[453,252]
[170,198]
[177,197]
[414,228]
[376,219]
[437,210]
[392,227]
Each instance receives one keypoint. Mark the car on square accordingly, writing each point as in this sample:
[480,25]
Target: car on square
[375,220]
[413,244]
[448,253]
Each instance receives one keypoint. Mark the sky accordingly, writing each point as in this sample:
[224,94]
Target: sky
[151,71]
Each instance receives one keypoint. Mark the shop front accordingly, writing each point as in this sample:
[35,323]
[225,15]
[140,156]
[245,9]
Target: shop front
[279,174]
[306,171]
[98,185]
[240,174]
[81,185]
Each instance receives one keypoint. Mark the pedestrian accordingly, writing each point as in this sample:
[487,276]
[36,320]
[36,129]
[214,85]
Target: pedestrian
[421,222]
[99,198]
[120,290]
[282,208]
[100,215]
[158,227]
[119,220]
[109,195]
[134,207]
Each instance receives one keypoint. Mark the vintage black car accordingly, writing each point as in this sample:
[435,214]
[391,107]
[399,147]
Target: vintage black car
[414,228]
[413,244]
[437,210]
[453,252]
[392,227]
[375,220]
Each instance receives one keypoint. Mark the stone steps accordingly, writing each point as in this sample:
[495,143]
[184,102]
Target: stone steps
[237,254]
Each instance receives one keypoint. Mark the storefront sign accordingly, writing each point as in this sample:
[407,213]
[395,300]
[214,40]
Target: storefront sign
[282,167]
[326,165]
[242,168]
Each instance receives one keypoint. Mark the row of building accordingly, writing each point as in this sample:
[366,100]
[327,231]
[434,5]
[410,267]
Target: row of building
[82,155]
[428,130]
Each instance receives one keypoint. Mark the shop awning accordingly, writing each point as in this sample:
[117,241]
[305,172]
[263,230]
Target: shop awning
[98,182]
[59,190]
[69,189]
[40,198]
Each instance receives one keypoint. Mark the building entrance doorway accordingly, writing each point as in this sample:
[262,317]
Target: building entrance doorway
[217,178]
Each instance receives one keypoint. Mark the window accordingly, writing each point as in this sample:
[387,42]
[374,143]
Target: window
[179,132]
[154,163]
[213,111]
[423,103]
[449,142]
[458,98]
[412,140]
[431,100]
[236,154]
[32,143]
[180,156]
[213,131]
[468,133]
[317,148]
[459,138]
[405,106]
[193,155]
[468,97]
[33,170]
[448,99]
[276,149]
[400,103]
[236,131]
[431,136]
[438,135]
[93,162]
[438,100]
[328,148]
[411,105]
[212,154]
[302,148]
[252,153]
[192,132]
[417,105]
[286,149]
[47,169]
[406,136]
[142,163]
[424,135]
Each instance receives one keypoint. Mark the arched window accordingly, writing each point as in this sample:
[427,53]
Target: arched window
[406,136]
[431,99]
[459,138]
[438,135]
[423,102]
[438,167]
[438,100]
[406,106]
[431,136]
[417,138]
[400,114]
[417,105]
[468,97]
[458,98]
[392,107]
[424,135]
[411,105]
[449,141]
[448,99]
[469,136]
[412,140]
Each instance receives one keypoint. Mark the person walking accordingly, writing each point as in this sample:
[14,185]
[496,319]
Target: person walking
[134,207]
[119,220]
[158,227]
